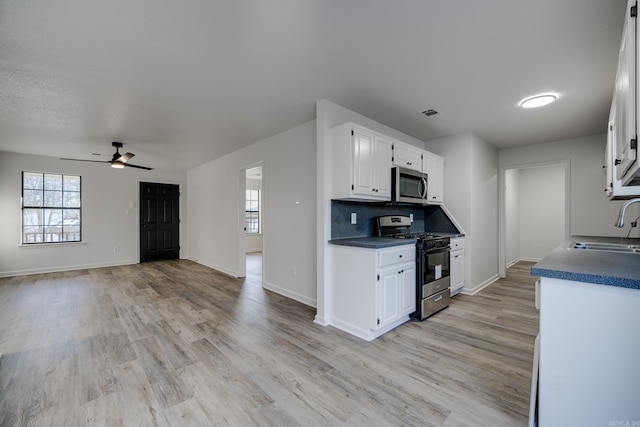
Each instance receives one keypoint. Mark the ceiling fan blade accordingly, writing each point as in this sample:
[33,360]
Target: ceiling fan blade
[83,160]
[136,166]
[125,157]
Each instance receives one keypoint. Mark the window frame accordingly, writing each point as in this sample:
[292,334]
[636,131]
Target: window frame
[247,220]
[44,207]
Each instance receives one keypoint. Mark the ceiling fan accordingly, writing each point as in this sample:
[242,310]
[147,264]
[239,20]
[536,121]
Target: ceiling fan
[118,161]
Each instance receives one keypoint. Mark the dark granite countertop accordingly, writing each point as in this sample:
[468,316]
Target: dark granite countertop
[371,242]
[450,235]
[591,266]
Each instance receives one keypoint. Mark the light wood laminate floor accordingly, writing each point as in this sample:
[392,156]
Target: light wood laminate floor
[173,343]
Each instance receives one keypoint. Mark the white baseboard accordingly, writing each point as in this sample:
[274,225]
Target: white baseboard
[366,334]
[311,302]
[321,320]
[480,286]
[216,267]
[266,285]
[517,260]
[529,259]
[66,268]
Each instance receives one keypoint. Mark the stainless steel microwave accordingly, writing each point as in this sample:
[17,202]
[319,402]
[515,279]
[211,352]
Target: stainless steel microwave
[408,186]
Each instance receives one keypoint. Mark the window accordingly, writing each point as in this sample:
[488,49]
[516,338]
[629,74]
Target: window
[252,221]
[51,208]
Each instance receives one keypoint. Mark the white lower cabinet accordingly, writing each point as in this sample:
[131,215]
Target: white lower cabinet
[589,347]
[373,290]
[457,265]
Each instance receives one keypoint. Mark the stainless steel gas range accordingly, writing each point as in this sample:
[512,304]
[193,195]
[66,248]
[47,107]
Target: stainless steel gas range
[432,263]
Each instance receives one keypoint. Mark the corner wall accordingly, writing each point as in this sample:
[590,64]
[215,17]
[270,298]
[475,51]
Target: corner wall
[216,212]
[471,195]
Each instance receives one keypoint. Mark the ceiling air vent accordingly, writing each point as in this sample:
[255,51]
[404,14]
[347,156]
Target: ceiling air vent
[430,112]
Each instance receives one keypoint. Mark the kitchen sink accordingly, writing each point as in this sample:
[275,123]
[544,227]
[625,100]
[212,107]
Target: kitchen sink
[607,247]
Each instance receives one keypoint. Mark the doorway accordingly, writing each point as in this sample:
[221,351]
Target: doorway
[159,221]
[535,211]
[253,223]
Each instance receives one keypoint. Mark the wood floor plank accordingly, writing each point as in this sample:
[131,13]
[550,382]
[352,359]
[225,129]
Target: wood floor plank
[174,343]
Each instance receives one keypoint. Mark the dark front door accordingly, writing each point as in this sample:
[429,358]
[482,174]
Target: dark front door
[159,221]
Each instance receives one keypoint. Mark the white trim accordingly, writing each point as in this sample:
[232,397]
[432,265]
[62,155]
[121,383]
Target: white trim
[321,320]
[216,267]
[289,294]
[367,334]
[480,286]
[66,268]
[50,245]
[453,220]
[517,260]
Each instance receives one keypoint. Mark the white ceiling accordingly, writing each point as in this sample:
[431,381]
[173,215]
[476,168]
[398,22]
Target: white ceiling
[182,83]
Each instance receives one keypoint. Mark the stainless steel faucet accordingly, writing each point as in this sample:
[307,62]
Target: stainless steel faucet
[620,221]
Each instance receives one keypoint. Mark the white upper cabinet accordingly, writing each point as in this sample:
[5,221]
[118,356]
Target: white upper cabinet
[434,168]
[614,188]
[361,163]
[624,109]
[407,156]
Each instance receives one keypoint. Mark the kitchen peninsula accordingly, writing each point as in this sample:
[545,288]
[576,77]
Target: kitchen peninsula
[589,333]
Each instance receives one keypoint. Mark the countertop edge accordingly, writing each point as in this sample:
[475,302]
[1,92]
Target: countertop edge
[371,242]
[596,267]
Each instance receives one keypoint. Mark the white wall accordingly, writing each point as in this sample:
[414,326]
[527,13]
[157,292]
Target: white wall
[471,196]
[216,212]
[253,242]
[329,115]
[542,211]
[591,213]
[483,233]
[107,219]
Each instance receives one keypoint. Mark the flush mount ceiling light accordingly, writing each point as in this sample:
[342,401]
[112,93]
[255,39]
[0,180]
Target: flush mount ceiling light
[538,101]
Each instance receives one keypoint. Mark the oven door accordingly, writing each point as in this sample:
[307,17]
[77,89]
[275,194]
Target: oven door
[435,271]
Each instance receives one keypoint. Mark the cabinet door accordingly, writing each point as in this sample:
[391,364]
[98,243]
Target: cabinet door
[382,172]
[408,290]
[363,163]
[625,96]
[388,295]
[434,168]
[457,270]
[407,156]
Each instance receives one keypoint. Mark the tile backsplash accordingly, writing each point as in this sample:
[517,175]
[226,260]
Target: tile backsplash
[427,218]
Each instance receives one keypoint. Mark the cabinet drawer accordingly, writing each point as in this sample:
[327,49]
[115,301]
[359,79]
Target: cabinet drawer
[396,255]
[457,243]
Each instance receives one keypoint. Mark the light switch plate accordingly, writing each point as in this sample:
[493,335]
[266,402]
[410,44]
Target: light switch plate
[354,218]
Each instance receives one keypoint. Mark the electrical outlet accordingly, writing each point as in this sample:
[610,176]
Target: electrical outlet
[354,218]
[294,270]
